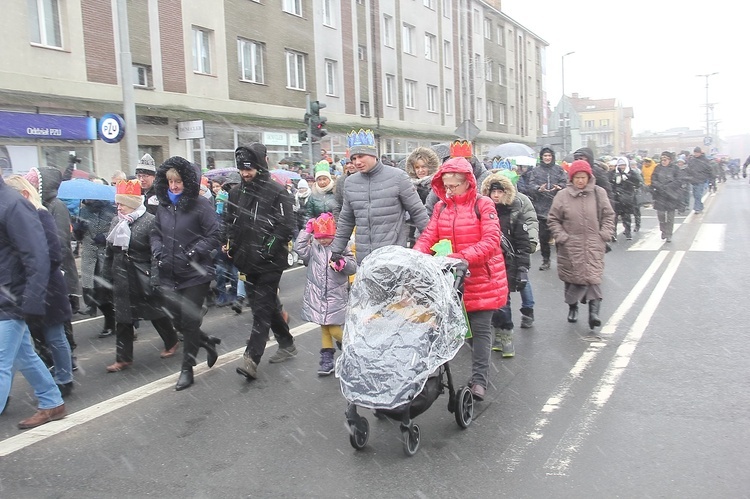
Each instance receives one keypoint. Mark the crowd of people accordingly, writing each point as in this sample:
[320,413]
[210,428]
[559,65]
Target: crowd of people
[174,243]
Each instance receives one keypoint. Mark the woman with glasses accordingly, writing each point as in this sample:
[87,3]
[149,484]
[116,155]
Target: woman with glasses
[470,223]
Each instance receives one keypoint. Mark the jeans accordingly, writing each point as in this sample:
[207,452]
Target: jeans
[527,296]
[481,346]
[226,273]
[58,344]
[503,317]
[698,190]
[240,288]
[264,301]
[17,353]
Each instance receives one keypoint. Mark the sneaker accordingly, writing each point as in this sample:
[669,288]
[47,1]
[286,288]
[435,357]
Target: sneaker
[283,354]
[497,342]
[526,321]
[545,264]
[105,333]
[629,237]
[326,362]
[249,368]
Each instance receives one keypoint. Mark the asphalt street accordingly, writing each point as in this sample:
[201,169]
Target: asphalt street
[654,405]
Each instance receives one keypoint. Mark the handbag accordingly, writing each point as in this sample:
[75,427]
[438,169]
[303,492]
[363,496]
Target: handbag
[142,277]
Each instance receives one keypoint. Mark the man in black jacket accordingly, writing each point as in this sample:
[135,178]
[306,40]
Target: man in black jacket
[260,222]
[700,173]
[544,182]
[145,172]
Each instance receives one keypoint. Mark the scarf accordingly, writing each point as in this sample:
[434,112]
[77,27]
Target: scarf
[324,190]
[174,198]
[120,235]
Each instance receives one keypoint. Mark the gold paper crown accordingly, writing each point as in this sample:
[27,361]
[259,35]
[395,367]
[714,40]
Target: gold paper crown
[129,188]
[461,149]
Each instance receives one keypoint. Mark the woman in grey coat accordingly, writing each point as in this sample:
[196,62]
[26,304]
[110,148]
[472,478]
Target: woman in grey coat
[581,220]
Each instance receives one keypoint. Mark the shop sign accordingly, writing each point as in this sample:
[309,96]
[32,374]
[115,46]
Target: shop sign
[46,126]
[274,138]
[190,129]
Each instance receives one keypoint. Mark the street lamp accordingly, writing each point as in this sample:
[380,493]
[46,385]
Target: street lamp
[708,129]
[562,101]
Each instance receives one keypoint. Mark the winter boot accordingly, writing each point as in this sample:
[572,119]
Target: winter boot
[497,342]
[545,264]
[249,368]
[506,343]
[283,353]
[527,317]
[326,362]
[573,313]
[237,305]
[594,320]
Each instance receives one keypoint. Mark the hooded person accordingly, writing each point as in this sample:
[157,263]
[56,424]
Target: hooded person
[625,184]
[323,193]
[544,182]
[421,165]
[260,223]
[581,220]
[183,243]
[130,267]
[301,200]
[469,221]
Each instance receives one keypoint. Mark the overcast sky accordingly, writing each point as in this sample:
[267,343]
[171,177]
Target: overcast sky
[646,54]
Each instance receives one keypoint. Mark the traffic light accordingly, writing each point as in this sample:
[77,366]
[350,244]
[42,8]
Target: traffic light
[317,122]
[302,136]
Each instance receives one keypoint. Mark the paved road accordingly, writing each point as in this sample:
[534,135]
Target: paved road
[657,407]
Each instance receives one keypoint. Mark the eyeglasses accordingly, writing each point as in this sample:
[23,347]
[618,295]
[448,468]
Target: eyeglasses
[453,187]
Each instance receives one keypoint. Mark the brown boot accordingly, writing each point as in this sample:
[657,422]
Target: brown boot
[43,416]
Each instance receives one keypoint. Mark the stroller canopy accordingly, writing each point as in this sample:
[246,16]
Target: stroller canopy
[404,320]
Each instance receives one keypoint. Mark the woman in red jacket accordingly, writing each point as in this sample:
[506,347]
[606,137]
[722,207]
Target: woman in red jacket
[470,223]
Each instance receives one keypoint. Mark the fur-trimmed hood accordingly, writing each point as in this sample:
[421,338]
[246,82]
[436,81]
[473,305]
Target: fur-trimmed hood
[190,179]
[428,156]
[509,189]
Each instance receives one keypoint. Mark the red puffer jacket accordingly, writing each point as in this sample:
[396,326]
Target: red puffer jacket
[475,239]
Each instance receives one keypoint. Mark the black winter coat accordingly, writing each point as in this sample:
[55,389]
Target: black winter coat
[548,176]
[185,238]
[516,247]
[260,222]
[625,184]
[57,305]
[700,170]
[666,187]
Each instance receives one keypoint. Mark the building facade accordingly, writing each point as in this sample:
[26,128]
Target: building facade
[413,71]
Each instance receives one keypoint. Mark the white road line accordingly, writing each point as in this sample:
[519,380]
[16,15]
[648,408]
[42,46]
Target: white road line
[513,456]
[710,237]
[30,437]
[561,457]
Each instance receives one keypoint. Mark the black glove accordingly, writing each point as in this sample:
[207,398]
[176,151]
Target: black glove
[336,257]
[522,278]
[75,304]
[268,250]
[35,322]
[100,239]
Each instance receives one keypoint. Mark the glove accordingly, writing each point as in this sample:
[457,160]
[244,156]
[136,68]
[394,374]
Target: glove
[337,261]
[75,304]
[268,249]
[309,226]
[35,322]
[100,239]
[522,278]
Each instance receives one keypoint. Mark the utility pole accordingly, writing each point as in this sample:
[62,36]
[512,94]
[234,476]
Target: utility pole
[707,139]
[126,78]
[564,116]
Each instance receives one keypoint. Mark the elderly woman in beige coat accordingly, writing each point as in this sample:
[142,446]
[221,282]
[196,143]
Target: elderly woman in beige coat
[581,220]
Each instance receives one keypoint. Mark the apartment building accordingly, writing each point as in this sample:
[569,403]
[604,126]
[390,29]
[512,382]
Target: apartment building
[413,71]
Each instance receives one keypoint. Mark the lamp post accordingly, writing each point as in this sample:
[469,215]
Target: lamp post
[562,101]
[708,129]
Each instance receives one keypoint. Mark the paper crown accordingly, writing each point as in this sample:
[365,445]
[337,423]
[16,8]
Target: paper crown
[461,149]
[324,226]
[362,142]
[129,188]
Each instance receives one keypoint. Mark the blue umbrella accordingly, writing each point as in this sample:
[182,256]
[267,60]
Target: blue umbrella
[85,189]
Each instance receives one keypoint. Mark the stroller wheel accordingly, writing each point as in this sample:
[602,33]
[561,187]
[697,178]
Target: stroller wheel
[411,440]
[464,407]
[359,433]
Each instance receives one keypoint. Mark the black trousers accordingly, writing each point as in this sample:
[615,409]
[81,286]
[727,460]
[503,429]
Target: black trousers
[185,307]
[126,334]
[261,292]
[544,237]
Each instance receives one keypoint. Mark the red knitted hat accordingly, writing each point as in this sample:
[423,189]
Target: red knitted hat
[579,165]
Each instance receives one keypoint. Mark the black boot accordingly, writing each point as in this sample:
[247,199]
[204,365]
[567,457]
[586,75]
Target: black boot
[185,380]
[573,313]
[594,320]
[210,345]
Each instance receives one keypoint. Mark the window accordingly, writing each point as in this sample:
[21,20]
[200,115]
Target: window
[390,89]
[140,76]
[410,94]
[487,28]
[490,111]
[448,104]
[44,20]
[501,114]
[432,98]
[589,124]
[501,35]
[447,54]
[330,77]
[430,47]
[362,52]
[295,70]
[603,123]
[387,31]
[327,13]
[251,61]
[447,8]
[364,108]
[430,4]
[408,39]
[293,7]
[489,68]
[478,109]
[201,51]
[501,74]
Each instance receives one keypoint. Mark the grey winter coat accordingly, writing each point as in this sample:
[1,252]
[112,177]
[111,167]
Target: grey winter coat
[326,291]
[581,221]
[376,203]
[666,186]
[95,219]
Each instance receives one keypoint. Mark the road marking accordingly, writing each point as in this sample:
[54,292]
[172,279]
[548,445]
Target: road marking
[30,437]
[513,456]
[710,237]
[574,436]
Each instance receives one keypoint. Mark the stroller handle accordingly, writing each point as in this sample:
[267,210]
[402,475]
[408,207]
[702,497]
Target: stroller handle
[460,269]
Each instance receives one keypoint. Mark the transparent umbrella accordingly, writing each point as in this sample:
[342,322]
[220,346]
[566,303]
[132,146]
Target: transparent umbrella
[510,149]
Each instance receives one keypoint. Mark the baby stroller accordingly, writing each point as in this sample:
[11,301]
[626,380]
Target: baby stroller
[404,322]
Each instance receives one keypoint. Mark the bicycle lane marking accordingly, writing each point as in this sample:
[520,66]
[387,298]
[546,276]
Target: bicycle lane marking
[565,450]
[30,437]
[514,454]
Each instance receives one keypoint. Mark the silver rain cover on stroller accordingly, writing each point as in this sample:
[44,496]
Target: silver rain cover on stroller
[403,321]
